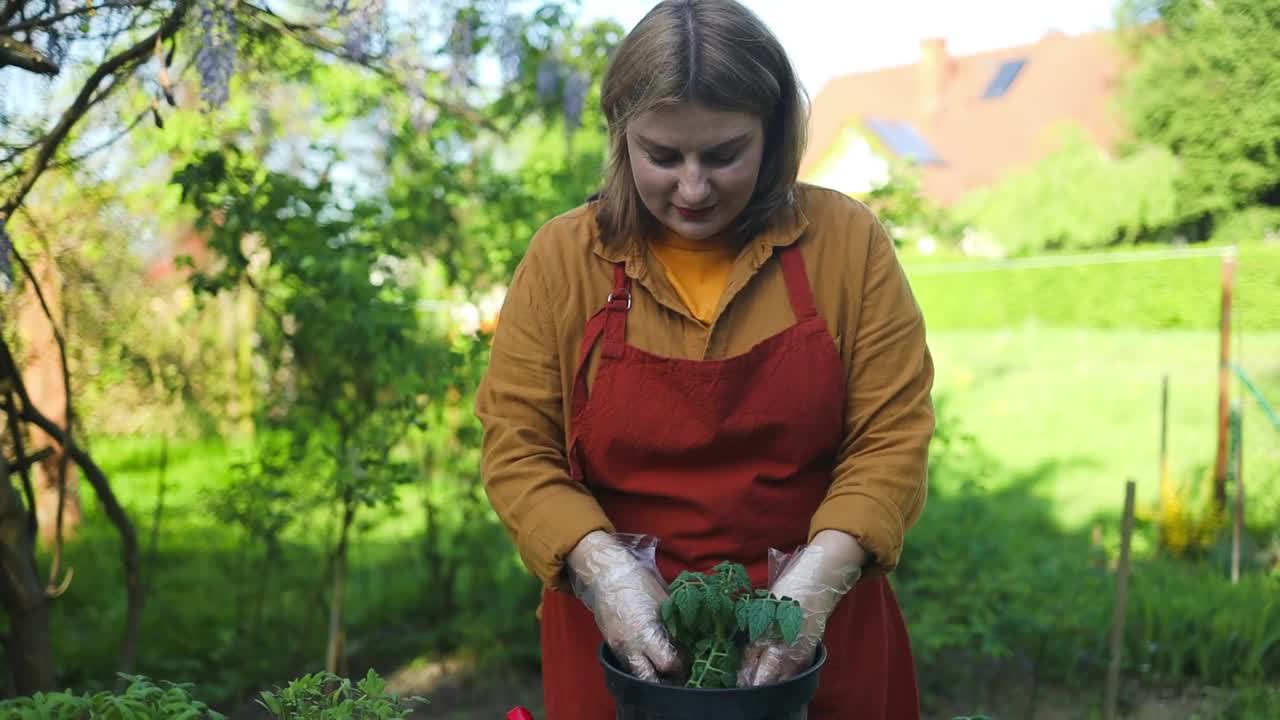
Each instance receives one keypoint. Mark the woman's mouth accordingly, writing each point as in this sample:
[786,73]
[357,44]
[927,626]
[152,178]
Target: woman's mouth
[694,213]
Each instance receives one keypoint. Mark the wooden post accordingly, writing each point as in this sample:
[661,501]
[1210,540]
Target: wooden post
[1237,474]
[1224,377]
[1118,610]
[1162,479]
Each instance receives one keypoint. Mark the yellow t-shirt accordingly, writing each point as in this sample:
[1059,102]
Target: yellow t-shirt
[697,270]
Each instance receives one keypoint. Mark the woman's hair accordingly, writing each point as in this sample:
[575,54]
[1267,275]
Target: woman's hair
[717,52]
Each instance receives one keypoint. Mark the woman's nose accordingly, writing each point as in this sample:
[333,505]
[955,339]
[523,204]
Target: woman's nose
[693,187]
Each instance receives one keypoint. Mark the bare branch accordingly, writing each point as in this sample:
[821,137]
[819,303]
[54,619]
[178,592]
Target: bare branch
[86,9]
[77,159]
[18,464]
[11,8]
[309,36]
[110,504]
[21,55]
[15,151]
[24,469]
[135,54]
[68,409]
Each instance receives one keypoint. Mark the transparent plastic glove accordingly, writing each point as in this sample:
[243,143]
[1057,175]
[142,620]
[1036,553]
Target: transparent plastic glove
[817,576]
[616,576]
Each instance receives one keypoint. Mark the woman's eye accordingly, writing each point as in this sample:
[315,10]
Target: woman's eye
[721,159]
[663,160]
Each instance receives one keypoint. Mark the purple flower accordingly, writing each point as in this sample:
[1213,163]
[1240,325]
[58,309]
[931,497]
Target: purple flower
[6,269]
[216,59]
[548,79]
[576,86]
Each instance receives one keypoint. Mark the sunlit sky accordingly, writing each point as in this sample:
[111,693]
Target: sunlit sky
[827,38]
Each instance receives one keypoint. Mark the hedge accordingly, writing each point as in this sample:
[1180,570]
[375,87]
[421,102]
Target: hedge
[1134,293]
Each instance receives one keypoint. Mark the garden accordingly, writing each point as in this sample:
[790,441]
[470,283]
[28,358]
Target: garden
[252,261]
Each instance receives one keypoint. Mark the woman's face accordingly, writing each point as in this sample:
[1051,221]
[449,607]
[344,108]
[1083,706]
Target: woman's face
[695,167]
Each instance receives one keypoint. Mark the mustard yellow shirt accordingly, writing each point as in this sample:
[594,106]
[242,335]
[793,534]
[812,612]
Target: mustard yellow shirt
[697,270]
[524,403]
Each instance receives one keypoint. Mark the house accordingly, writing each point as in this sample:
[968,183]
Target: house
[964,122]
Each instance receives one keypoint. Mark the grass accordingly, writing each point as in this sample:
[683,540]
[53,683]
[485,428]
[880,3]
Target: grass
[1066,414]
[1089,400]
[223,615]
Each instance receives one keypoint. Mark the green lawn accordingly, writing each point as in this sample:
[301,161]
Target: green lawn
[1087,402]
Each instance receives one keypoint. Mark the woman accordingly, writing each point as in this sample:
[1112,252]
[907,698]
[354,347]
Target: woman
[714,359]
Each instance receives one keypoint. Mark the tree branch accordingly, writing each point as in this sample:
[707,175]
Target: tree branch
[86,9]
[135,54]
[96,478]
[11,8]
[307,35]
[15,151]
[19,447]
[77,159]
[19,464]
[21,55]
[68,409]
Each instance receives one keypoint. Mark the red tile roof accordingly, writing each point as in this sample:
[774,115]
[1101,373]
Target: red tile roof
[1065,78]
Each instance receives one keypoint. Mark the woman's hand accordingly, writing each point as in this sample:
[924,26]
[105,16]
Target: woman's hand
[622,588]
[817,577]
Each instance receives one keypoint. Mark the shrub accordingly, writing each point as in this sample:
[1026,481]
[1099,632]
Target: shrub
[1140,294]
[141,700]
[318,696]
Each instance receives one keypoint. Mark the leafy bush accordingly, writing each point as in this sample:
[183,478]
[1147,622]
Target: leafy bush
[1249,226]
[317,696]
[981,582]
[141,700]
[1187,519]
[1150,295]
[325,696]
[1253,703]
[1188,622]
[1078,198]
[989,583]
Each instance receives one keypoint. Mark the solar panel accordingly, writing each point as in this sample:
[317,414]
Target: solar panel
[903,139]
[1005,76]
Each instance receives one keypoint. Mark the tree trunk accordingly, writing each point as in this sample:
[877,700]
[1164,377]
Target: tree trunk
[336,656]
[111,506]
[29,651]
[42,376]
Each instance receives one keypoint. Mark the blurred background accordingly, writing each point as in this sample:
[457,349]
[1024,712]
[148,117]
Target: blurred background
[252,254]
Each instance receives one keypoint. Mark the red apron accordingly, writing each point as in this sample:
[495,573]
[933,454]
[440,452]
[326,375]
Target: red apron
[721,460]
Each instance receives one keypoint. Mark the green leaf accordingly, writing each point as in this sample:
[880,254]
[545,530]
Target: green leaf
[724,614]
[668,610]
[790,619]
[762,613]
[690,602]
[743,612]
[272,704]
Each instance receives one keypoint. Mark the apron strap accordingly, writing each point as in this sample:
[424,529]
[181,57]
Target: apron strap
[615,315]
[798,287]
[610,322]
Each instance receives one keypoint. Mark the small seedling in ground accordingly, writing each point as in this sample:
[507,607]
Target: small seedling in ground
[712,616]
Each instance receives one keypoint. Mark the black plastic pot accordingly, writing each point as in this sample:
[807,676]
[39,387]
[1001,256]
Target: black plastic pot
[642,700]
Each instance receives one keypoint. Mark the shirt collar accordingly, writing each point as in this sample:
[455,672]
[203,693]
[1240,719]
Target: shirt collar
[787,227]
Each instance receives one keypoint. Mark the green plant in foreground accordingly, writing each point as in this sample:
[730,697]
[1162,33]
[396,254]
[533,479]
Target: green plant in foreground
[320,696]
[712,616]
[141,700]
[325,696]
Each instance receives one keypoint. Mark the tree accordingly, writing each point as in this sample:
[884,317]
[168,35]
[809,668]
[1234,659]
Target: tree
[1205,88]
[131,58]
[1079,197]
[350,364]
